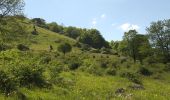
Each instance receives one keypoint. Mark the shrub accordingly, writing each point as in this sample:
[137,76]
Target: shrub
[77,44]
[131,76]
[167,67]
[22,47]
[95,69]
[85,47]
[57,41]
[111,71]
[54,72]
[7,83]
[74,65]
[45,60]
[103,64]
[34,32]
[123,59]
[21,96]
[64,48]
[4,47]
[144,71]
[28,76]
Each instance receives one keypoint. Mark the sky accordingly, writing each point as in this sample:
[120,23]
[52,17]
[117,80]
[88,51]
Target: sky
[111,17]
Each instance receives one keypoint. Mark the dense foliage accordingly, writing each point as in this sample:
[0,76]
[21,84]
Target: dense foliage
[64,48]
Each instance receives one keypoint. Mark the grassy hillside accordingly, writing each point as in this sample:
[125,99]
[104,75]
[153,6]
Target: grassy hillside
[46,38]
[41,74]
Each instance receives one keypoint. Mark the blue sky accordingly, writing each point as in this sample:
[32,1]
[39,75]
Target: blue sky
[111,17]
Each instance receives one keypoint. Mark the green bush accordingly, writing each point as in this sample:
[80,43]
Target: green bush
[111,71]
[167,67]
[74,65]
[123,59]
[54,72]
[45,60]
[4,47]
[77,44]
[103,64]
[95,69]
[144,71]
[64,48]
[131,76]
[85,47]
[57,41]
[22,47]
[29,76]
[7,83]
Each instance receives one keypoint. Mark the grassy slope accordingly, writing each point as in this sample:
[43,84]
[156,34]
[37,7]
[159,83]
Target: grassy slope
[46,38]
[89,87]
[83,86]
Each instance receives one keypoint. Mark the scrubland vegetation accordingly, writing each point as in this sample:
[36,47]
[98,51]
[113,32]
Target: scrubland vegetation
[47,61]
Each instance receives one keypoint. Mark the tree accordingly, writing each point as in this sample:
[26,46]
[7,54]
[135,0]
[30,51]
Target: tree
[7,8]
[143,47]
[123,48]
[93,38]
[39,22]
[55,27]
[72,32]
[11,7]
[159,35]
[64,48]
[115,44]
[10,10]
[129,37]
[86,39]
[135,45]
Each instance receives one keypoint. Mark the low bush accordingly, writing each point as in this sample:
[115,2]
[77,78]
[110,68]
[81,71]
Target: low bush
[123,59]
[95,69]
[111,71]
[103,64]
[85,47]
[131,76]
[54,72]
[45,60]
[29,76]
[22,47]
[167,67]
[74,65]
[144,71]
[7,83]
[4,47]
[57,41]
[77,44]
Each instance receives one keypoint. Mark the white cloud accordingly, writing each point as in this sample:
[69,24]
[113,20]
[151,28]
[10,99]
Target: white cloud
[103,16]
[114,24]
[94,22]
[128,26]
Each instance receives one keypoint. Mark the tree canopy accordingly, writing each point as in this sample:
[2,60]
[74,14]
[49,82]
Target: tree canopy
[64,48]
[11,7]
[159,35]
